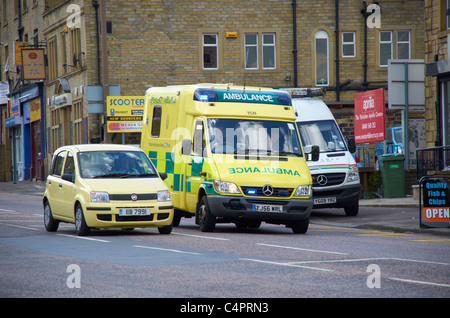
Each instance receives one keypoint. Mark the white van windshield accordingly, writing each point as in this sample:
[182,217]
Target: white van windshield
[262,137]
[324,134]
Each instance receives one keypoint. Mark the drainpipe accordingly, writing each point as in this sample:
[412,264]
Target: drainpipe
[365,15]
[96,5]
[294,51]
[338,84]
[105,78]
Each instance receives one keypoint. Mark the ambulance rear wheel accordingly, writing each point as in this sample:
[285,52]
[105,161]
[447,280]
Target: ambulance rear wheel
[206,220]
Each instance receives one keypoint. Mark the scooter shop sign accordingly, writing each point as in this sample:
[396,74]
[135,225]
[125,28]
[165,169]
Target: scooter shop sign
[435,203]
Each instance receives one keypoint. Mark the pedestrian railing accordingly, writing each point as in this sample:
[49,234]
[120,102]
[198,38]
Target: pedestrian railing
[432,160]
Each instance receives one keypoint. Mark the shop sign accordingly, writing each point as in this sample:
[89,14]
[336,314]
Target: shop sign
[33,64]
[63,100]
[369,116]
[124,113]
[435,201]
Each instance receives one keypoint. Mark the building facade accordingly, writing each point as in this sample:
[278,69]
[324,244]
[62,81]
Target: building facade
[340,45]
[437,37]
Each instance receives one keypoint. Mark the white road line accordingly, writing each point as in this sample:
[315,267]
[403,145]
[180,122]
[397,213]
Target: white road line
[203,237]
[22,227]
[84,238]
[6,210]
[285,264]
[166,249]
[418,282]
[371,260]
[301,249]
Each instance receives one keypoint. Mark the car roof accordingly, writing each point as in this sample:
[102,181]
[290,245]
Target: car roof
[99,147]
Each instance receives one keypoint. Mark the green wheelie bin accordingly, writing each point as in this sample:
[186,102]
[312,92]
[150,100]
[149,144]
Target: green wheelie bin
[393,175]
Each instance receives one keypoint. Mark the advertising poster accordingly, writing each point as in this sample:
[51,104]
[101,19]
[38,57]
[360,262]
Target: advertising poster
[369,116]
[124,113]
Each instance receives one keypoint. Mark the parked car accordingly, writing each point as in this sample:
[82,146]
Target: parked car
[105,186]
[394,144]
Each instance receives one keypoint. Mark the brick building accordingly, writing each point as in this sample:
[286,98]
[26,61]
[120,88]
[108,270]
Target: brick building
[283,43]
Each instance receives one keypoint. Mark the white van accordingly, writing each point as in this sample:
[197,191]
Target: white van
[335,175]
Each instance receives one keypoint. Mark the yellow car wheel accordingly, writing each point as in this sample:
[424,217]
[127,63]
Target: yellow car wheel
[80,223]
[50,224]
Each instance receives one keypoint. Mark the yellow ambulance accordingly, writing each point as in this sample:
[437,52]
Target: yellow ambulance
[232,154]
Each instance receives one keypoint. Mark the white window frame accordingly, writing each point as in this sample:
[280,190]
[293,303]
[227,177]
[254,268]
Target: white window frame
[404,42]
[380,42]
[272,45]
[251,46]
[322,35]
[349,43]
[216,45]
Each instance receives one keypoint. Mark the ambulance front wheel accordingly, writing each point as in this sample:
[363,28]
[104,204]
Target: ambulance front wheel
[300,227]
[206,220]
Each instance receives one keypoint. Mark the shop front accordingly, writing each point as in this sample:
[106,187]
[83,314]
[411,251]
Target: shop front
[26,123]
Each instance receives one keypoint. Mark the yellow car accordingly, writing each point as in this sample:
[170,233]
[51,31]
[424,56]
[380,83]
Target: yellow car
[105,186]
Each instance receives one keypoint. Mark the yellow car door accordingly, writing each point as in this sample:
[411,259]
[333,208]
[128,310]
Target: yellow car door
[54,183]
[68,188]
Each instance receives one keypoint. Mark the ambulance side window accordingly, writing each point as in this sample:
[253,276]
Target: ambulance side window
[199,139]
[156,121]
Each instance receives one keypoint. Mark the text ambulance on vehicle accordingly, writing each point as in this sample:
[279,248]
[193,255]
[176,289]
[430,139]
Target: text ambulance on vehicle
[231,153]
[335,175]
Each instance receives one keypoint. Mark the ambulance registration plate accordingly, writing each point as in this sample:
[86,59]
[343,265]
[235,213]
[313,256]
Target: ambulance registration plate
[134,211]
[267,208]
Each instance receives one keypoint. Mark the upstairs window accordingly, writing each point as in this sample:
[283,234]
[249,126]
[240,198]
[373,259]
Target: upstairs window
[210,52]
[348,44]
[321,58]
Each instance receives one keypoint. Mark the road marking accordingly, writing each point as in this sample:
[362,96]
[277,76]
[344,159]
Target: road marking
[203,237]
[6,210]
[418,282]
[22,227]
[432,240]
[166,249]
[84,238]
[374,259]
[285,264]
[301,249]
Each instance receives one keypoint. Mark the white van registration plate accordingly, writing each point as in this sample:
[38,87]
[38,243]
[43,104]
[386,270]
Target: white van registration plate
[325,200]
[267,208]
[134,211]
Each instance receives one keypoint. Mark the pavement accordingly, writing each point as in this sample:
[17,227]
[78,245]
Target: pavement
[394,214]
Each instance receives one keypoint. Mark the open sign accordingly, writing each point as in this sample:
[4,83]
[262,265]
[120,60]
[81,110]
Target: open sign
[434,201]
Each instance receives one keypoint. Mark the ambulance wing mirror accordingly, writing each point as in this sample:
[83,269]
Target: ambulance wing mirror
[351,145]
[312,153]
[315,153]
[186,147]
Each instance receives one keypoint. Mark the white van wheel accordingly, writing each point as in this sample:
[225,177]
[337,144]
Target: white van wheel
[300,227]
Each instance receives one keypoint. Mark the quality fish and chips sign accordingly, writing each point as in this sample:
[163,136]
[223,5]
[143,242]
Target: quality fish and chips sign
[124,113]
[435,202]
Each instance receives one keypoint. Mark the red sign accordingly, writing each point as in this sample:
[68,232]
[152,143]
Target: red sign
[369,116]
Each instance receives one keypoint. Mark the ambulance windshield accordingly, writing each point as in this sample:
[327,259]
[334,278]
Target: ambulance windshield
[253,137]
[323,133]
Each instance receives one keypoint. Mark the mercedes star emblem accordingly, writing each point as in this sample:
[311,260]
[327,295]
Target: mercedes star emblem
[322,180]
[267,190]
